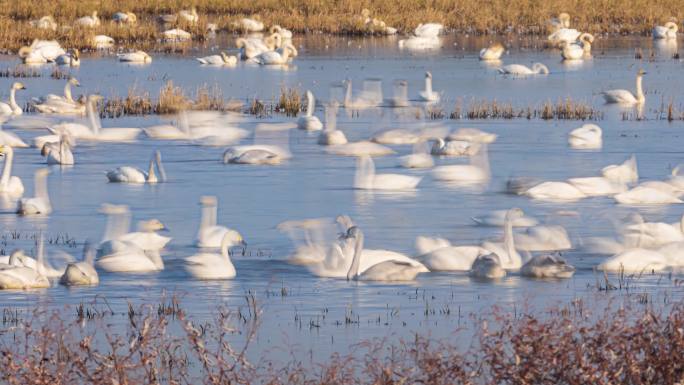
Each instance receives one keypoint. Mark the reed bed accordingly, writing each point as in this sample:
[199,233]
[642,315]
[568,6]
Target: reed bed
[563,109]
[290,101]
[332,16]
[162,344]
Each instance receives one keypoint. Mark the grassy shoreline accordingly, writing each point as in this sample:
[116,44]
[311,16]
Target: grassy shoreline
[333,17]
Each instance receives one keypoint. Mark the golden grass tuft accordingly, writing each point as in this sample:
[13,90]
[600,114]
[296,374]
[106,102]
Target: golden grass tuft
[290,101]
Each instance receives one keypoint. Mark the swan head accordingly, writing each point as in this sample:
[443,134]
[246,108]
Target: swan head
[540,68]
[25,51]
[514,213]
[74,275]
[208,201]
[132,18]
[74,82]
[5,150]
[672,26]
[18,86]
[152,225]
[641,72]
[428,75]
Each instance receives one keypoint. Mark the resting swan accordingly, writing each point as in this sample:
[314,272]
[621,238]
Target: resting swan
[366,178]
[390,270]
[476,172]
[487,266]
[577,51]
[521,70]
[72,58]
[589,136]
[222,59]
[626,172]
[135,57]
[492,53]
[17,275]
[442,256]
[644,195]
[668,31]
[594,186]
[12,108]
[82,273]
[9,184]
[330,135]
[454,148]
[274,58]
[128,174]
[547,266]
[59,153]
[210,235]
[626,97]
[555,191]
[40,204]
[309,122]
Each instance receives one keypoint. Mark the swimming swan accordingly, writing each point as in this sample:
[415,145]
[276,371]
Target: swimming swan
[59,153]
[442,256]
[543,238]
[147,237]
[555,191]
[579,50]
[72,58]
[134,57]
[487,266]
[211,265]
[389,270]
[40,204]
[82,273]
[454,148]
[58,104]
[508,255]
[589,136]
[668,31]
[12,108]
[521,70]
[644,195]
[427,94]
[222,59]
[626,97]
[595,186]
[626,172]
[274,58]
[9,184]
[134,175]
[366,178]
[210,235]
[330,135]
[17,275]
[476,172]
[309,122]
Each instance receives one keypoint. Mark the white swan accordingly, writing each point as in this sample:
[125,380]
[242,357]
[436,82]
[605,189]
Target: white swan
[72,58]
[41,51]
[82,273]
[221,59]
[389,270]
[147,237]
[487,266]
[361,148]
[598,186]
[9,184]
[626,172]
[95,132]
[284,33]
[102,41]
[653,234]
[579,50]
[440,255]
[40,204]
[330,135]
[211,265]
[255,155]
[668,31]
[454,148]
[134,175]
[17,275]
[273,57]
[508,255]
[210,235]
[59,153]
[428,94]
[644,195]
[589,136]
[420,43]
[251,25]
[176,35]
[635,261]
[420,158]
[250,48]
[58,104]
[88,21]
[626,97]
[309,122]
[189,16]
[543,238]
[547,266]
[135,57]
[555,191]
[397,136]
[497,218]
[428,30]
[493,52]
[519,69]
[366,178]
[476,172]
[564,34]
[472,135]
[12,108]
[124,257]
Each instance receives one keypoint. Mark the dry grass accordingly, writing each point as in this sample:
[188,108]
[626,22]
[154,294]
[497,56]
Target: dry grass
[563,109]
[333,16]
[290,101]
[632,344]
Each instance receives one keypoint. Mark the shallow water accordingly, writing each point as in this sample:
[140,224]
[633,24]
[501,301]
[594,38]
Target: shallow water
[310,318]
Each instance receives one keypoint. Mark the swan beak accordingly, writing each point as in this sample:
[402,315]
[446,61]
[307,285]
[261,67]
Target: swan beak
[165,229]
[243,243]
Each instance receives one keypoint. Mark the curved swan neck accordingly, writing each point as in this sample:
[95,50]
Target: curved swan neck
[7,168]
[639,90]
[353,272]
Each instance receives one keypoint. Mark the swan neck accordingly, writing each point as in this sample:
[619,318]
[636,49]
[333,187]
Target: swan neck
[310,104]
[13,100]
[40,257]
[348,94]
[224,247]
[160,168]
[428,85]
[151,176]
[94,121]
[509,243]
[7,168]
[40,185]
[353,272]
[639,90]
[67,93]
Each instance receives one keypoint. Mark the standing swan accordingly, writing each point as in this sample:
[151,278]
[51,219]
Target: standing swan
[40,204]
[427,94]
[668,31]
[9,184]
[309,122]
[589,136]
[210,235]
[134,175]
[12,108]
[366,178]
[211,265]
[626,97]
[384,271]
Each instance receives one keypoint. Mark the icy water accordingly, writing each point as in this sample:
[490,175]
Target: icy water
[312,316]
